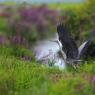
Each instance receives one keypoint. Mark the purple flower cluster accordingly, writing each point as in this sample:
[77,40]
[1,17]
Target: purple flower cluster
[31,23]
[93,79]
[2,40]
[18,40]
[40,16]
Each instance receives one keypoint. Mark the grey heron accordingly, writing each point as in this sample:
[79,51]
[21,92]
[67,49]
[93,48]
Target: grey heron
[72,52]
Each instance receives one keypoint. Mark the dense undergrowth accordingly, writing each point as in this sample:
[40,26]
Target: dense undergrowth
[19,77]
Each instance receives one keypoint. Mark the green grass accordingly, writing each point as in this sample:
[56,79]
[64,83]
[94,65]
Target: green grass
[65,6]
[3,25]
[8,3]
[30,78]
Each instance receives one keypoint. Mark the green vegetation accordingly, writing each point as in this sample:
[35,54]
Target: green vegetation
[30,78]
[8,3]
[65,6]
[79,19]
[2,24]
[21,74]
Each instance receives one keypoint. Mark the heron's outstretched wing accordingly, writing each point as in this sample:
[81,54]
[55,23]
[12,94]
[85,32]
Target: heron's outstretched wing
[87,49]
[83,49]
[68,44]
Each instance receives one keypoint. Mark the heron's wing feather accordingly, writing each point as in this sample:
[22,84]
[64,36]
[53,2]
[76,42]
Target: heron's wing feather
[68,44]
[83,49]
[88,50]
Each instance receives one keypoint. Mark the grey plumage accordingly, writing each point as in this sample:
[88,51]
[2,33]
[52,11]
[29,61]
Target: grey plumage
[68,44]
[70,48]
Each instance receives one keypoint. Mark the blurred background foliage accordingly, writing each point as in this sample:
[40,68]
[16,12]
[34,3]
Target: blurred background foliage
[22,25]
[25,23]
[80,20]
